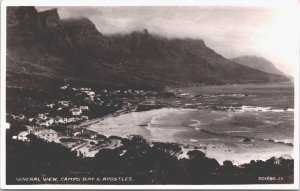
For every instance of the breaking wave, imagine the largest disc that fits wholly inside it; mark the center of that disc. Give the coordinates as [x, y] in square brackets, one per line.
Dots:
[246, 108]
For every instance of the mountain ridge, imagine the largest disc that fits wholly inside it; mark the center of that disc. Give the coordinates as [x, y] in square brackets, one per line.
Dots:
[41, 47]
[258, 63]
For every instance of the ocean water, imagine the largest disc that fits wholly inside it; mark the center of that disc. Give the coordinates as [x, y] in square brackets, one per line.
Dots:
[238, 136]
[227, 135]
[260, 127]
[239, 125]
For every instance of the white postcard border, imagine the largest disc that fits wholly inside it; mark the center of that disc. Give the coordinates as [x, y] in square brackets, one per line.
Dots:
[294, 4]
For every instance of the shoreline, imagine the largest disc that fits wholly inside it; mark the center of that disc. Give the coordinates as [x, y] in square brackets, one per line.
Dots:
[139, 123]
[98, 119]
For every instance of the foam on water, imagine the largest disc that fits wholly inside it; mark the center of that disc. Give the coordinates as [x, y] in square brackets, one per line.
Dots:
[284, 141]
[237, 131]
[246, 108]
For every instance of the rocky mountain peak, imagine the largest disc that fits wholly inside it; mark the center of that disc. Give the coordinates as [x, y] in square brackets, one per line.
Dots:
[80, 24]
[49, 18]
[21, 15]
[82, 31]
[22, 23]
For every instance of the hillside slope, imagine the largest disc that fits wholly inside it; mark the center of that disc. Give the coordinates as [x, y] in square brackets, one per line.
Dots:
[258, 63]
[42, 50]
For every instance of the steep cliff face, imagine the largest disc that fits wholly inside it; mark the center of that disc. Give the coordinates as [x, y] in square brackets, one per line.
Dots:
[43, 48]
[30, 61]
[22, 24]
[52, 32]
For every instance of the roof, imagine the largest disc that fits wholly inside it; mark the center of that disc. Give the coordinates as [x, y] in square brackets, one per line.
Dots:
[64, 101]
[39, 128]
[29, 127]
[86, 131]
[47, 131]
[75, 110]
[23, 133]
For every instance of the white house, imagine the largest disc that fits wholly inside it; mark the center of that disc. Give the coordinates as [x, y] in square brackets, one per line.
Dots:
[47, 134]
[43, 116]
[58, 120]
[47, 122]
[72, 119]
[20, 117]
[90, 93]
[63, 87]
[61, 120]
[84, 107]
[64, 103]
[30, 119]
[86, 133]
[23, 136]
[85, 89]
[76, 111]
[50, 105]
[76, 134]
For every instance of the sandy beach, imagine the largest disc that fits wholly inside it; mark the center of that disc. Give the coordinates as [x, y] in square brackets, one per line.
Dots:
[196, 129]
[135, 123]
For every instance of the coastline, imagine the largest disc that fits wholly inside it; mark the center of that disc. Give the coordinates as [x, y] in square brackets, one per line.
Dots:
[231, 148]
[134, 122]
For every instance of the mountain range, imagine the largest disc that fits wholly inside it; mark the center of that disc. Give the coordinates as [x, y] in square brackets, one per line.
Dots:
[258, 63]
[43, 49]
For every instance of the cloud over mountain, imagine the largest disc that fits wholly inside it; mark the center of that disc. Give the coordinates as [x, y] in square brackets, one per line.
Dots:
[42, 47]
[267, 32]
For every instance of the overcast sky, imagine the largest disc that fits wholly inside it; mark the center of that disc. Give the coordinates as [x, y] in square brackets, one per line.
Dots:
[272, 33]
